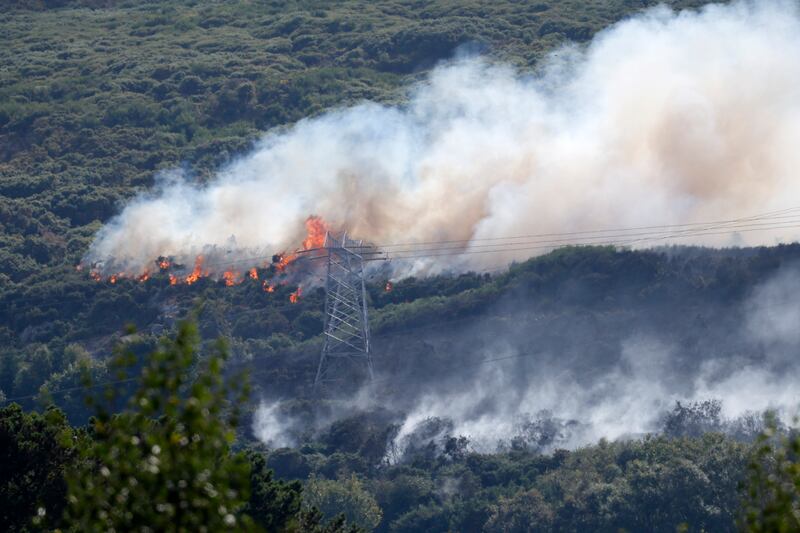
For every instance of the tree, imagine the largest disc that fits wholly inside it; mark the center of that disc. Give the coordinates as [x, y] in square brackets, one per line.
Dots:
[525, 511]
[772, 491]
[164, 464]
[346, 496]
[274, 505]
[34, 451]
[693, 419]
[34, 370]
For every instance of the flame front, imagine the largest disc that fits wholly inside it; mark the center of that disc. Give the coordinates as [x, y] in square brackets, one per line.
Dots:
[231, 278]
[316, 229]
[197, 272]
[206, 266]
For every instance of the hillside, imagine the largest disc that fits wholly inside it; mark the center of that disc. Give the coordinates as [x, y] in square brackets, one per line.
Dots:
[591, 379]
[482, 380]
[97, 97]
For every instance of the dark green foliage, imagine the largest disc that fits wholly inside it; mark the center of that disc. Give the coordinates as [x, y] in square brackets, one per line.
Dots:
[345, 496]
[164, 462]
[773, 484]
[274, 505]
[98, 96]
[653, 484]
[35, 450]
[289, 463]
[86, 121]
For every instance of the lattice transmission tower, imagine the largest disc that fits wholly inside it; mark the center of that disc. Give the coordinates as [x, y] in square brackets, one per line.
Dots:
[346, 354]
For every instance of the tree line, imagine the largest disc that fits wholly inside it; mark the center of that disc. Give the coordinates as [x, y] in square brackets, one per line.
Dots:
[168, 458]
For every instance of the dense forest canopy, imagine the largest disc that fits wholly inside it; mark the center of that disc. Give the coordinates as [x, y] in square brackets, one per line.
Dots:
[589, 388]
[96, 98]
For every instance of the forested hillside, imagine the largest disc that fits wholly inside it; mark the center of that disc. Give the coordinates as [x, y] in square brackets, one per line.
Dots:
[97, 97]
[591, 388]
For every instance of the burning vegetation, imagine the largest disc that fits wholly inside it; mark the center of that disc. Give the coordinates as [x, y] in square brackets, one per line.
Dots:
[277, 271]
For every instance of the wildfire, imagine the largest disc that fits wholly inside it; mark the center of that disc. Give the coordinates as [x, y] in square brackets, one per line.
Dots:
[316, 229]
[389, 286]
[295, 296]
[281, 261]
[196, 272]
[231, 278]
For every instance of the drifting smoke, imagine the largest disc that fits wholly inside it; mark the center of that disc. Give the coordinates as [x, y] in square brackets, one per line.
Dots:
[664, 118]
[563, 381]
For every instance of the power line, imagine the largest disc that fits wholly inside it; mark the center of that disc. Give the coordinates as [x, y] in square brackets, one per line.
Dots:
[45, 301]
[656, 237]
[374, 248]
[771, 214]
[71, 389]
[741, 225]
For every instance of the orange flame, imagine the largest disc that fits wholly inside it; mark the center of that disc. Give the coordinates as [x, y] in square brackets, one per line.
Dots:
[295, 296]
[282, 260]
[196, 272]
[231, 278]
[316, 229]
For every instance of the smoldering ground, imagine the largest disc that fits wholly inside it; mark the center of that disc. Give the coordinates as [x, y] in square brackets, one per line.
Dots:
[571, 351]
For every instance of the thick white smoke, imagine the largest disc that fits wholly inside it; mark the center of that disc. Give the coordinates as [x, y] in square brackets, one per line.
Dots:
[664, 118]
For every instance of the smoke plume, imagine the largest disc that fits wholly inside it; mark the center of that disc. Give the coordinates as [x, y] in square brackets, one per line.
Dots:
[664, 118]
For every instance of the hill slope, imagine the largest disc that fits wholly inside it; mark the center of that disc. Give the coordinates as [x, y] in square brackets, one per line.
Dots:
[96, 97]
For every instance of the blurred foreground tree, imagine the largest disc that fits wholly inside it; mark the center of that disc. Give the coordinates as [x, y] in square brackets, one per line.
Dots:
[772, 499]
[164, 463]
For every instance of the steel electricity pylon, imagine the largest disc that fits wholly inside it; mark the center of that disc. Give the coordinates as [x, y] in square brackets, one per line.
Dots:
[346, 351]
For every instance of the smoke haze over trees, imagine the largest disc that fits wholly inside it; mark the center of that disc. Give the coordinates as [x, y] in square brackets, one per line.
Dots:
[643, 127]
[519, 384]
